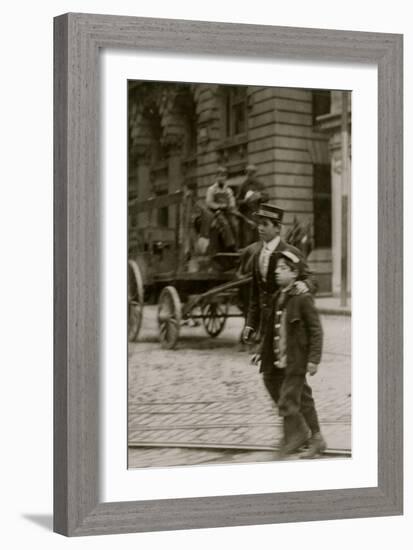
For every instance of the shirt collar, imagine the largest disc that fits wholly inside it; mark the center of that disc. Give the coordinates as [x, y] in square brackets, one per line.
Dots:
[272, 245]
[224, 187]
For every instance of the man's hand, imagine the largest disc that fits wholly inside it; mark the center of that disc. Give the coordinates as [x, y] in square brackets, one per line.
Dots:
[300, 287]
[312, 369]
[247, 334]
[256, 359]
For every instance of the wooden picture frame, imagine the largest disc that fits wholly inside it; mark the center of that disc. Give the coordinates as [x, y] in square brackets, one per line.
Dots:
[78, 40]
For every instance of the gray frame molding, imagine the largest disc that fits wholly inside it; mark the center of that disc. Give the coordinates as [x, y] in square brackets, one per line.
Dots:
[78, 39]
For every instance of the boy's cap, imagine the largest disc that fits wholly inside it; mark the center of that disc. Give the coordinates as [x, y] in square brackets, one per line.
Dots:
[290, 256]
[267, 210]
[222, 170]
[295, 259]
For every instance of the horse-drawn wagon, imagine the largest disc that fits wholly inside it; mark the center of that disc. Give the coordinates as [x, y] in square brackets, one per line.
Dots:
[170, 266]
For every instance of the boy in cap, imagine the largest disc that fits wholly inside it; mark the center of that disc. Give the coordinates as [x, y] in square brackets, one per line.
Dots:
[290, 349]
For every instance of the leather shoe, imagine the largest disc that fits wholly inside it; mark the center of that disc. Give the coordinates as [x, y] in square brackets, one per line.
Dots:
[316, 446]
[293, 443]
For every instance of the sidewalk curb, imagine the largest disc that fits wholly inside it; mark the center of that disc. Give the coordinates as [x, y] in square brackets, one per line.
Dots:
[333, 311]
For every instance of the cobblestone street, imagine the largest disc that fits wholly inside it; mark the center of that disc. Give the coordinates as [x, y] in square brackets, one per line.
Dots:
[205, 403]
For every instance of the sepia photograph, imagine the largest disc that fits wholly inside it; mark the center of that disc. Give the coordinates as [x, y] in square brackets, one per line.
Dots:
[239, 274]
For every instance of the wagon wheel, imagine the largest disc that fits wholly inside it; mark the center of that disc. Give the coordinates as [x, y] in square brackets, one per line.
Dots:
[214, 317]
[135, 300]
[169, 317]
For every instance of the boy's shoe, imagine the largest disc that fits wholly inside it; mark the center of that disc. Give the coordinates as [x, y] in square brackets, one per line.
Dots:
[293, 444]
[316, 446]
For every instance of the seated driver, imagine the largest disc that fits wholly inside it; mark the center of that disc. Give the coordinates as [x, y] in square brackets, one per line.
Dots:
[221, 201]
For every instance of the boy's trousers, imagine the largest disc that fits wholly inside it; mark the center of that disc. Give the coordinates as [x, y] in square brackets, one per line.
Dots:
[292, 395]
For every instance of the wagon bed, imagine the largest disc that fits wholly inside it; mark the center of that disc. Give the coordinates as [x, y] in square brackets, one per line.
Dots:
[183, 295]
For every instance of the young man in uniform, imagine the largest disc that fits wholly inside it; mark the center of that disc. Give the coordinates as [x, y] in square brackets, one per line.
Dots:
[262, 258]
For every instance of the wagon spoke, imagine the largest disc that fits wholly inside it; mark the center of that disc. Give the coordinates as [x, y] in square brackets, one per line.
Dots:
[135, 300]
[169, 317]
[214, 317]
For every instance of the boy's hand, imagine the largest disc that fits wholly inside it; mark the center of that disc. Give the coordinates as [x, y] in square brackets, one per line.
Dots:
[300, 287]
[312, 369]
[247, 334]
[256, 359]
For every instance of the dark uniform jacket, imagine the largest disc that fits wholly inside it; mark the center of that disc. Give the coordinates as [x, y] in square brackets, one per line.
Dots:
[261, 291]
[303, 332]
[247, 206]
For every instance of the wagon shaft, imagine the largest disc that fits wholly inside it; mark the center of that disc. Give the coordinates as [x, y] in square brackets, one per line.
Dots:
[218, 291]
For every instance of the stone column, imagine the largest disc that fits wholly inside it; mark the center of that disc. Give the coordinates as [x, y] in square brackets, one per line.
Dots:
[331, 124]
[173, 145]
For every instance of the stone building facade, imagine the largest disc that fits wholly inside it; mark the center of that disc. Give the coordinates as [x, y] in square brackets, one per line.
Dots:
[178, 134]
